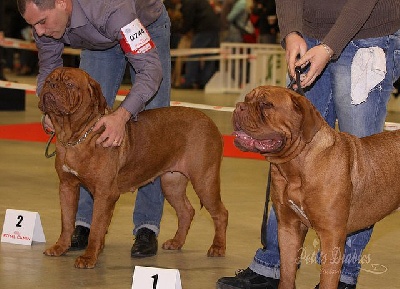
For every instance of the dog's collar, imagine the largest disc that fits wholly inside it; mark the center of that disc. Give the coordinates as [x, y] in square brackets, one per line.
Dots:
[81, 139]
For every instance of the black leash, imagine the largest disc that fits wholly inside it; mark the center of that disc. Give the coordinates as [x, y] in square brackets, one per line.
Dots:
[298, 70]
[52, 134]
[299, 90]
[46, 151]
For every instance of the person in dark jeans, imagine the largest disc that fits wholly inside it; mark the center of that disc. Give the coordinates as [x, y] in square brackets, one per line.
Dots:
[199, 19]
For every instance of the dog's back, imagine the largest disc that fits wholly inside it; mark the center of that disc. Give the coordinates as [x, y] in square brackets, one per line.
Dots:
[375, 178]
[169, 139]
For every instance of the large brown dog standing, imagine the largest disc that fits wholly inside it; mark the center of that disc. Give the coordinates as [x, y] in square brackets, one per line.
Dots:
[176, 143]
[330, 181]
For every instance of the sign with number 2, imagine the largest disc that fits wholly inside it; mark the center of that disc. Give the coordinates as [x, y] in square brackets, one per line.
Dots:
[22, 227]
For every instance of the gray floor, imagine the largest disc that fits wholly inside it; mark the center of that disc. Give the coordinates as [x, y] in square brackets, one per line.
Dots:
[28, 182]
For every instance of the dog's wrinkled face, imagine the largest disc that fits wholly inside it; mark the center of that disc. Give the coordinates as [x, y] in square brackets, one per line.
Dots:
[67, 90]
[270, 120]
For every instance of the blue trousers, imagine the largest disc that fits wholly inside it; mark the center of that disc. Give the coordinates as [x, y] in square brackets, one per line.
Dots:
[108, 68]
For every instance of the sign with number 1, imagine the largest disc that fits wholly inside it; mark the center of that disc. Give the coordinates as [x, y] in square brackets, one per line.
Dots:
[156, 278]
[22, 227]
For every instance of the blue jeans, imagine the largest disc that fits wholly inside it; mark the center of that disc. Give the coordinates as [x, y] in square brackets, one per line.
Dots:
[330, 94]
[108, 68]
[197, 72]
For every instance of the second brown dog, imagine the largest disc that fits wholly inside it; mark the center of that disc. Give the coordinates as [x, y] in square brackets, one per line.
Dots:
[176, 143]
[323, 179]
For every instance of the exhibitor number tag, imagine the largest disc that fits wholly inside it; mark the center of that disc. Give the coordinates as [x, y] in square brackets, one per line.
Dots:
[135, 38]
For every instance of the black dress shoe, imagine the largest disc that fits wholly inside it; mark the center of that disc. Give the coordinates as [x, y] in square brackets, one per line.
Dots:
[342, 286]
[247, 279]
[79, 240]
[145, 245]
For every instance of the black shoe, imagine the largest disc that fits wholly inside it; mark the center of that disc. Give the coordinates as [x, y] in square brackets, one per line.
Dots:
[145, 245]
[342, 286]
[79, 240]
[247, 279]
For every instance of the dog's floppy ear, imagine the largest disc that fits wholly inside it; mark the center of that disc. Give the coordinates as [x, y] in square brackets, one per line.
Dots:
[312, 119]
[97, 95]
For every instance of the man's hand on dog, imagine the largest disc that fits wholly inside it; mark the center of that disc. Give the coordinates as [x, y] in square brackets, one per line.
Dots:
[114, 124]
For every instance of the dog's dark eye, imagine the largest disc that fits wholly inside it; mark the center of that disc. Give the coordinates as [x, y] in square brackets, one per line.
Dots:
[266, 105]
[69, 84]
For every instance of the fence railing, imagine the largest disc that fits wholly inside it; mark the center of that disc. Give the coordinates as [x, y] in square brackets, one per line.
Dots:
[241, 65]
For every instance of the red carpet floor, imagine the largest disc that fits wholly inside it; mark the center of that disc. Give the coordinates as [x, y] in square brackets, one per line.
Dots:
[33, 132]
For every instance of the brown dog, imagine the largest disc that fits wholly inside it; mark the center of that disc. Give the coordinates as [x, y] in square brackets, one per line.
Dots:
[176, 143]
[332, 182]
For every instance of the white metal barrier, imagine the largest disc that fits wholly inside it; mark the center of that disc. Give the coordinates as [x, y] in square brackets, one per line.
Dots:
[244, 66]
[241, 65]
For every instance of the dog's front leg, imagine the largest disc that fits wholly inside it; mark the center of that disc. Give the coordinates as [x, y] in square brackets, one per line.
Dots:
[332, 250]
[103, 208]
[291, 235]
[69, 194]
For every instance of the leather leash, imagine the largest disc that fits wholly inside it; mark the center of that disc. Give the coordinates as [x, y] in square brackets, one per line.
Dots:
[299, 90]
[52, 134]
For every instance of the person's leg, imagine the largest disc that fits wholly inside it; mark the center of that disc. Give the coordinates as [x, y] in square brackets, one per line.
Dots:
[266, 262]
[106, 67]
[209, 40]
[150, 199]
[362, 120]
[197, 74]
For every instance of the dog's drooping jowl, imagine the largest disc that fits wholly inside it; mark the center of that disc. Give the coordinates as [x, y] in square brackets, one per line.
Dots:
[177, 144]
[330, 181]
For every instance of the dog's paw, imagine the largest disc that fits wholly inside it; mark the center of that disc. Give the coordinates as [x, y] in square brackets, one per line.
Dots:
[85, 262]
[55, 250]
[216, 251]
[172, 244]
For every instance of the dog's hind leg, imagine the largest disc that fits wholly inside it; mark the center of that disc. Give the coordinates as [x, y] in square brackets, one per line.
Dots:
[208, 190]
[174, 188]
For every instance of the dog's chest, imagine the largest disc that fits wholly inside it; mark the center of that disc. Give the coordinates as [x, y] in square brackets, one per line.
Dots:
[293, 197]
[68, 169]
[73, 162]
[298, 209]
